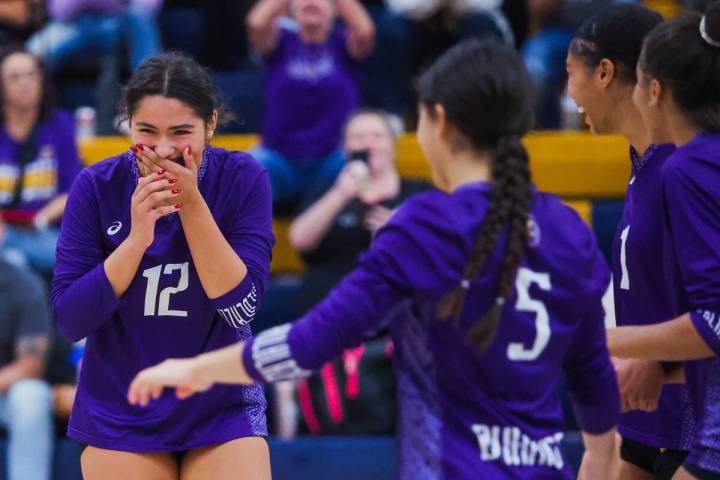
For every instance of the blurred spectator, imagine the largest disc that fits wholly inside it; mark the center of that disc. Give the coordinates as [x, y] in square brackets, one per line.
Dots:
[81, 29]
[38, 160]
[337, 224]
[25, 400]
[311, 87]
[412, 33]
[97, 36]
[19, 19]
[545, 51]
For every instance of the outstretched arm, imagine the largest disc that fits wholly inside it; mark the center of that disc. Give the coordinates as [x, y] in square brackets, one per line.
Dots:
[674, 340]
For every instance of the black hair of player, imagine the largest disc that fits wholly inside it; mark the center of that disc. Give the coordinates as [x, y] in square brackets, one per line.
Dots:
[616, 34]
[685, 59]
[173, 75]
[47, 102]
[487, 96]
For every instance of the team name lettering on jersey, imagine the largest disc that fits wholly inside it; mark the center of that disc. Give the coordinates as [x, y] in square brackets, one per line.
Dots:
[242, 312]
[512, 447]
[712, 319]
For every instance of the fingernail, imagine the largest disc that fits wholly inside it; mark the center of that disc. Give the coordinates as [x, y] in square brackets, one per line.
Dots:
[175, 191]
[172, 181]
[134, 149]
[139, 159]
[178, 206]
[161, 172]
[189, 150]
[141, 147]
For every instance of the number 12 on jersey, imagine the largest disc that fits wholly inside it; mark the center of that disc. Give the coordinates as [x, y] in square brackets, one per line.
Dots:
[151, 294]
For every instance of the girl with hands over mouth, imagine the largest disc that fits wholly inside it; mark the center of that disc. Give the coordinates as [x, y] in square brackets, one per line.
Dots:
[164, 252]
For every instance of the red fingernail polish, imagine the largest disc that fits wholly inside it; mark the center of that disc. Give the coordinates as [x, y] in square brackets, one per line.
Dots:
[178, 206]
[141, 147]
[176, 191]
[172, 181]
[133, 149]
[161, 172]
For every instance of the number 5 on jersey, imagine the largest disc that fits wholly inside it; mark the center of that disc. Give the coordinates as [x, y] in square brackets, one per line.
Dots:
[525, 303]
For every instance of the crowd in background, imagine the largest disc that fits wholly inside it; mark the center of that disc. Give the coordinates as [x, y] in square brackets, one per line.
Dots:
[337, 78]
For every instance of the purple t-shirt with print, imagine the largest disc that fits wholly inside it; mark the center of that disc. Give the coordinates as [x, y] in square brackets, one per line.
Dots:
[47, 175]
[310, 90]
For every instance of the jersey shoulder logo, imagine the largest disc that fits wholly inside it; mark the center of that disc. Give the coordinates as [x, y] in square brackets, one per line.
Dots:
[534, 234]
[114, 228]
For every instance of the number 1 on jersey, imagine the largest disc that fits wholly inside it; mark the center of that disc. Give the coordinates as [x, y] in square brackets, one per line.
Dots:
[625, 280]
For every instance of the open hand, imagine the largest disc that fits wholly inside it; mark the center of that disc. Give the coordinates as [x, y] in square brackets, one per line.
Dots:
[178, 373]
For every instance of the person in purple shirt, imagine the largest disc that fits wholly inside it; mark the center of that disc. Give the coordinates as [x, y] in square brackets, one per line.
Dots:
[490, 289]
[38, 160]
[164, 251]
[601, 66]
[311, 88]
[680, 103]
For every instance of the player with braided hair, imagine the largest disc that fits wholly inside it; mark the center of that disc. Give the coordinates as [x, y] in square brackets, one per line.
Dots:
[518, 271]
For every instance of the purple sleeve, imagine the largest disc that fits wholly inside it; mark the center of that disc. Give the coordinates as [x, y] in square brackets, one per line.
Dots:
[692, 200]
[707, 323]
[68, 158]
[364, 302]
[81, 294]
[590, 375]
[252, 239]
[67, 10]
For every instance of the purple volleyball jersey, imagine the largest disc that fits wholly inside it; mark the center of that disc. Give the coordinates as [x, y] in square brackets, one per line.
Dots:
[309, 92]
[463, 414]
[165, 312]
[691, 188]
[639, 275]
[47, 175]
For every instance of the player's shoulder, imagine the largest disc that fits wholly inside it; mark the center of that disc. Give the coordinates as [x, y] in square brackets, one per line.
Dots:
[558, 227]
[233, 168]
[696, 159]
[112, 178]
[432, 211]
[111, 169]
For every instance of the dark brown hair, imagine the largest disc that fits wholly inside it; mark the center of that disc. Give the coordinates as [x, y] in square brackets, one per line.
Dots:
[487, 95]
[616, 34]
[47, 101]
[676, 55]
[174, 75]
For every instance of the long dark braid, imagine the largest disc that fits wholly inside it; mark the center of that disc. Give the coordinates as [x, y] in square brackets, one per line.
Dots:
[496, 80]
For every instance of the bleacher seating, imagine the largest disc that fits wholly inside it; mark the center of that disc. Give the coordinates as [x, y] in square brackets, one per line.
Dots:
[589, 172]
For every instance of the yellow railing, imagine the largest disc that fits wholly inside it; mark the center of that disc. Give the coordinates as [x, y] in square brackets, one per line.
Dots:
[576, 166]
